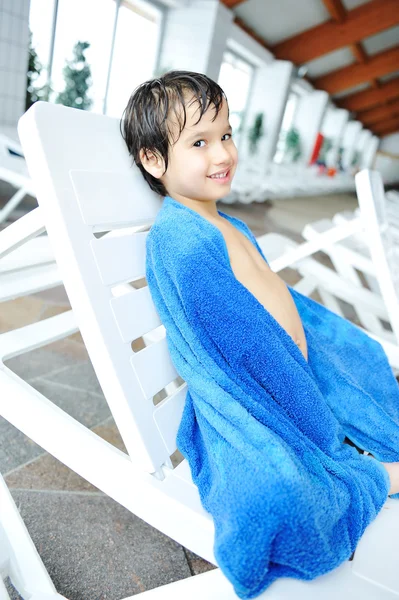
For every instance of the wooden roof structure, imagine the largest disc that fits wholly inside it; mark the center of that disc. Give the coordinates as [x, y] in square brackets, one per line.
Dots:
[350, 49]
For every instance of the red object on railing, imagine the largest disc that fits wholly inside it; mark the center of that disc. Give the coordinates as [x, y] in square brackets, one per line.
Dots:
[316, 149]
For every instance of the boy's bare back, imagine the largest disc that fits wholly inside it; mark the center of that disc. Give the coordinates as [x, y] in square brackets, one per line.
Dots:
[268, 288]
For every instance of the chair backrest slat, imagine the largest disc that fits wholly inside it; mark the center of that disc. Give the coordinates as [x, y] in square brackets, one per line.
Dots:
[153, 380]
[135, 314]
[106, 197]
[128, 252]
[167, 417]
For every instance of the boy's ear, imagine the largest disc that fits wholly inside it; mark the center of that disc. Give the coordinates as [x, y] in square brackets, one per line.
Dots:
[153, 163]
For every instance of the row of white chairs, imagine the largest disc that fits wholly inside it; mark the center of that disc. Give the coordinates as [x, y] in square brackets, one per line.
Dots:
[258, 183]
[252, 182]
[86, 186]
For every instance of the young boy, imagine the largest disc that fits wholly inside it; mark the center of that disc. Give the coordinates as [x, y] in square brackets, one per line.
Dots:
[193, 160]
[177, 130]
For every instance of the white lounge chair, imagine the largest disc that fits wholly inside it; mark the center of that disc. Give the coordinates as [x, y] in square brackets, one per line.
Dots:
[371, 256]
[27, 263]
[256, 183]
[87, 186]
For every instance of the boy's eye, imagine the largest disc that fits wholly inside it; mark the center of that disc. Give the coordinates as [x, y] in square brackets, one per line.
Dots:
[197, 142]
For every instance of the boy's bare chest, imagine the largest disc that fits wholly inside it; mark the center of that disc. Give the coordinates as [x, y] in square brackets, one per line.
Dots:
[268, 288]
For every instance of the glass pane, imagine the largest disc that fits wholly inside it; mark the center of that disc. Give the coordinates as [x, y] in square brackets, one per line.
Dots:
[289, 112]
[286, 125]
[135, 54]
[235, 83]
[41, 24]
[89, 21]
[235, 80]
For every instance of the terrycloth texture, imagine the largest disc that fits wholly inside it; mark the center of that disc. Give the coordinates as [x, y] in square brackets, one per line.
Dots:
[262, 428]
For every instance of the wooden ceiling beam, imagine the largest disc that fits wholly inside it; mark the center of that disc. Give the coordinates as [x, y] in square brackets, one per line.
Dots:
[361, 22]
[336, 9]
[369, 117]
[378, 65]
[384, 126]
[388, 131]
[359, 52]
[369, 98]
[232, 3]
[339, 13]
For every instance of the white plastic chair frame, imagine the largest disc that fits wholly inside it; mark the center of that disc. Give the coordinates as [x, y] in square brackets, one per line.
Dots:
[374, 253]
[13, 171]
[27, 264]
[89, 186]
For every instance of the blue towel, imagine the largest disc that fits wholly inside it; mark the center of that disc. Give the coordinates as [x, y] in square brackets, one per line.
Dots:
[263, 428]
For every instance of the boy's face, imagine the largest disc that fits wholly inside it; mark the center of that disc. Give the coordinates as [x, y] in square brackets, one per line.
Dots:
[201, 151]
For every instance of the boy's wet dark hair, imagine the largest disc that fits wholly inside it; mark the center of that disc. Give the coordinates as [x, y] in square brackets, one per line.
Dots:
[145, 122]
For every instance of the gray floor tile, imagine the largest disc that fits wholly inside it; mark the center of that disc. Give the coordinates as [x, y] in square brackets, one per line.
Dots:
[44, 360]
[197, 564]
[88, 408]
[12, 592]
[15, 448]
[56, 295]
[94, 549]
[48, 473]
[81, 377]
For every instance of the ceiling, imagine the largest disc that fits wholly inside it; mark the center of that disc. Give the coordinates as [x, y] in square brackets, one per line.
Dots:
[349, 47]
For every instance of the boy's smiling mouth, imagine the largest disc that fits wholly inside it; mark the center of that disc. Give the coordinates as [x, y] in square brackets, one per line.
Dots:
[221, 176]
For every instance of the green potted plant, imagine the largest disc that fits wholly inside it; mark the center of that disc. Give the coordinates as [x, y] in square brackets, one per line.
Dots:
[77, 75]
[293, 144]
[255, 133]
[35, 67]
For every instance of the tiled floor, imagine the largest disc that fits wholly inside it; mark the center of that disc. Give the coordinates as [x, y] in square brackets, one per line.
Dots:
[93, 548]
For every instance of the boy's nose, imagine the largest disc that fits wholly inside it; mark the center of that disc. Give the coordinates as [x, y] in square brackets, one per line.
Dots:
[223, 156]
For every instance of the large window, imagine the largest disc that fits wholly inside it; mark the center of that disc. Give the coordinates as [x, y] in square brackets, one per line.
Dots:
[123, 37]
[89, 21]
[286, 127]
[135, 53]
[41, 15]
[235, 78]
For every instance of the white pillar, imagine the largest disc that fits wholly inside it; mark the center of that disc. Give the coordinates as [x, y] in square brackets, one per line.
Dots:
[351, 133]
[195, 37]
[361, 145]
[370, 152]
[14, 46]
[333, 127]
[308, 119]
[364, 137]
